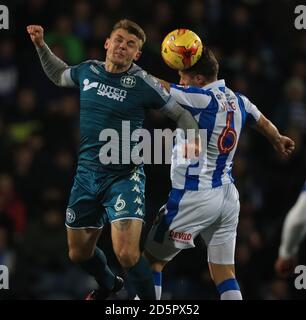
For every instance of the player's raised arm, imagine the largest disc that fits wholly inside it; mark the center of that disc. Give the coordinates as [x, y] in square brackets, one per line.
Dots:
[181, 116]
[56, 69]
[185, 121]
[177, 113]
[165, 84]
[281, 144]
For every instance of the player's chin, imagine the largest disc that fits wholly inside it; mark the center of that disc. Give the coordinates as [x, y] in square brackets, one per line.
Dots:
[121, 62]
[119, 58]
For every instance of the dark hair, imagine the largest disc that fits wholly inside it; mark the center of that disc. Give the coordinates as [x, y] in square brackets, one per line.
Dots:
[207, 66]
[131, 27]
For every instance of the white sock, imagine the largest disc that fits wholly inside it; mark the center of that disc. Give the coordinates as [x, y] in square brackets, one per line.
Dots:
[231, 295]
[157, 276]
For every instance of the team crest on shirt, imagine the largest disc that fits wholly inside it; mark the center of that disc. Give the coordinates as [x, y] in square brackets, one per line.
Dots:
[70, 215]
[128, 81]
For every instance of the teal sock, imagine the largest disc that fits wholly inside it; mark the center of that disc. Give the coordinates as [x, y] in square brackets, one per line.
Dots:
[97, 267]
[140, 276]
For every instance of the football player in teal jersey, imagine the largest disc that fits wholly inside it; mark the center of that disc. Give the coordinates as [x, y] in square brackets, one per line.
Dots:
[112, 93]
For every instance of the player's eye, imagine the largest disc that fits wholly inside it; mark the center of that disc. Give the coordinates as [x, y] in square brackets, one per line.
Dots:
[131, 44]
[118, 40]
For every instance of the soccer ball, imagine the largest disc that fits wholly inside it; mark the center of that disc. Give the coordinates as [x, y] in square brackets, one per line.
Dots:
[181, 49]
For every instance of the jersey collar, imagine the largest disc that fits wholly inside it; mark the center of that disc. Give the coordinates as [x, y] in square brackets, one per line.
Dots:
[215, 84]
[134, 68]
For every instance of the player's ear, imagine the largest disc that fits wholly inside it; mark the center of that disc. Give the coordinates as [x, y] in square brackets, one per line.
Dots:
[200, 80]
[106, 44]
[137, 55]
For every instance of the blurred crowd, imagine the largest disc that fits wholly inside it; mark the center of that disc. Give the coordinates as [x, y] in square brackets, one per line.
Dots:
[261, 55]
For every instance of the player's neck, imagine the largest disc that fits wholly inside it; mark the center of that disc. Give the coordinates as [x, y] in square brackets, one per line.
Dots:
[206, 82]
[113, 68]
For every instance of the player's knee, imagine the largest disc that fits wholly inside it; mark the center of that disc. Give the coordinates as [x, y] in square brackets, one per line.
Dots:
[129, 258]
[77, 255]
[155, 264]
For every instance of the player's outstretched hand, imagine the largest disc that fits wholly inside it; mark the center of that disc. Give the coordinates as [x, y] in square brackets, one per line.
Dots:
[37, 35]
[285, 267]
[285, 146]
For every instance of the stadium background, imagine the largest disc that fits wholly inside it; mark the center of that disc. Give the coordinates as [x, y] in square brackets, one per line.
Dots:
[261, 55]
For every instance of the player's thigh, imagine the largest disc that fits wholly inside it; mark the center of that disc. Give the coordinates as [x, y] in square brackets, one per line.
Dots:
[83, 240]
[158, 247]
[84, 209]
[180, 221]
[225, 227]
[124, 198]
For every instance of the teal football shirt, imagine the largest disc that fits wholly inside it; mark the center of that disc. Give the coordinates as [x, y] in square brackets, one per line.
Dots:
[109, 101]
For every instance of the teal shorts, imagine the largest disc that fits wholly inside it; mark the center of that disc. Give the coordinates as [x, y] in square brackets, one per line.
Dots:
[98, 197]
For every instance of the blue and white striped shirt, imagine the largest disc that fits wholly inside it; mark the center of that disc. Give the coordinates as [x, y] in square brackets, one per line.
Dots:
[223, 114]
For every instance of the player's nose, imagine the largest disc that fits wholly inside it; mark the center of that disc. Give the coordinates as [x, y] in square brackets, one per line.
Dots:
[123, 45]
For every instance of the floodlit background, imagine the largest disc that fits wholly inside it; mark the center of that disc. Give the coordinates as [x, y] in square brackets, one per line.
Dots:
[261, 55]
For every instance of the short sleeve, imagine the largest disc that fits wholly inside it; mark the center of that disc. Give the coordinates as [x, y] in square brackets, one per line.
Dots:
[75, 71]
[252, 112]
[190, 96]
[157, 96]
[75, 74]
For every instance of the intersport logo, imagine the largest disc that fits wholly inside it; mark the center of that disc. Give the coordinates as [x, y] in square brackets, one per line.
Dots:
[105, 90]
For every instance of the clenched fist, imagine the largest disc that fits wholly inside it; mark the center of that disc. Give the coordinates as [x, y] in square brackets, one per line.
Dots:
[284, 145]
[37, 35]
